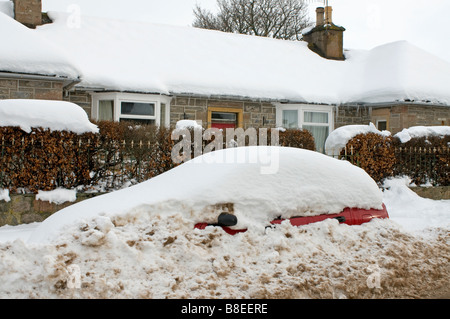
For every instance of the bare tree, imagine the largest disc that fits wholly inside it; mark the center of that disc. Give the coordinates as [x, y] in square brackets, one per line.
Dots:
[281, 19]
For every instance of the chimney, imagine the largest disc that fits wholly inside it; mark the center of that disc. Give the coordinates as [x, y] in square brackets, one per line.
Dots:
[326, 38]
[28, 12]
[320, 16]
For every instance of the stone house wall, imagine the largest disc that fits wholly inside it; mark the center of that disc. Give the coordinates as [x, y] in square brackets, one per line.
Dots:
[11, 88]
[352, 115]
[255, 113]
[403, 116]
[82, 98]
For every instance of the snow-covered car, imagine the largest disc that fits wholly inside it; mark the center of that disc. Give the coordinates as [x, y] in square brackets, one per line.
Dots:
[258, 185]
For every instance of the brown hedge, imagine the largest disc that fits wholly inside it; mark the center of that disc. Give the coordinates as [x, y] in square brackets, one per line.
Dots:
[373, 153]
[119, 153]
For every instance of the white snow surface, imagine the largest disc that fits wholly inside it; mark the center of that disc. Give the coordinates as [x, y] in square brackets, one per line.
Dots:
[338, 138]
[186, 124]
[151, 253]
[7, 8]
[28, 52]
[422, 131]
[57, 196]
[300, 182]
[4, 195]
[122, 57]
[53, 115]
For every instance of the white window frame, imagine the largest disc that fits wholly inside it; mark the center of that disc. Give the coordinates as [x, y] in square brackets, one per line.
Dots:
[119, 97]
[302, 108]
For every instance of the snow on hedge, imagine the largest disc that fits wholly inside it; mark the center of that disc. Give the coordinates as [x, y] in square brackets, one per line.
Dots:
[53, 115]
[422, 131]
[337, 139]
[301, 182]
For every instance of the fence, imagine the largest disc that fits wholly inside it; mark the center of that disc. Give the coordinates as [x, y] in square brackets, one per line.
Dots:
[424, 165]
[104, 165]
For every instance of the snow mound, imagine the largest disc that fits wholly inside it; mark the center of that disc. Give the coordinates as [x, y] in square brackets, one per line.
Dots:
[53, 115]
[422, 131]
[261, 182]
[337, 139]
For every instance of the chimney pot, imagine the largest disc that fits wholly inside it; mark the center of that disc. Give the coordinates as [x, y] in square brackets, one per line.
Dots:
[328, 15]
[320, 19]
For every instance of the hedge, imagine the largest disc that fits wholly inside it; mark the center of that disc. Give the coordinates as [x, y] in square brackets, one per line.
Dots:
[426, 160]
[120, 153]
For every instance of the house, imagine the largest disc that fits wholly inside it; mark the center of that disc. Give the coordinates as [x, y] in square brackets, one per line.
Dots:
[126, 70]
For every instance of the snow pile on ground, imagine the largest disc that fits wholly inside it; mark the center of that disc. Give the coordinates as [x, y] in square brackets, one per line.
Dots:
[28, 52]
[422, 131]
[412, 211]
[337, 139]
[262, 182]
[153, 250]
[53, 115]
[57, 196]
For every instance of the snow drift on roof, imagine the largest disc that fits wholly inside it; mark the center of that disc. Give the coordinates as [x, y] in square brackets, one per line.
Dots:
[53, 115]
[25, 51]
[150, 58]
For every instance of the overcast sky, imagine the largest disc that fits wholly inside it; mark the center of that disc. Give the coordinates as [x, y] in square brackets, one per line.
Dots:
[369, 23]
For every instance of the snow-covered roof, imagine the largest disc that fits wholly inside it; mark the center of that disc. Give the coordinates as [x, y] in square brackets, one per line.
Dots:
[151, 58]
[24, 51]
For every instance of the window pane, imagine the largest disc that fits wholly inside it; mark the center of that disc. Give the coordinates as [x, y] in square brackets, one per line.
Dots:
[382, 125]
[316, 117]
[106, 110]
[223, 116]
[320, 134]
[162, 119]
[133, 108]
[137, 121]
[290, 118]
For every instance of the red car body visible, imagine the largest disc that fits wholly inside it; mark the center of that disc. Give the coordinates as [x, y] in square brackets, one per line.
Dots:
[349, 216]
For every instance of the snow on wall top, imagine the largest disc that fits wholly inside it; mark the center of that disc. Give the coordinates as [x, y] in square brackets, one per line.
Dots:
[53, 115]
[25, 51]
[143, 57]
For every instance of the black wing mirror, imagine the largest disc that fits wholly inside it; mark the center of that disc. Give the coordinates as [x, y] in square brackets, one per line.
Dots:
[226, 219]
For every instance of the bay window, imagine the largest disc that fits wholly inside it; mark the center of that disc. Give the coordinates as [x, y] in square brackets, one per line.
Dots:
[137, 108]
[317, 119]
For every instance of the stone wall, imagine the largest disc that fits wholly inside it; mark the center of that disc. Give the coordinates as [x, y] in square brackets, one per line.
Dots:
[25, 209]
[352, 115]
[82, 98]
[255, 113]
[404, 116]
[30, 89]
